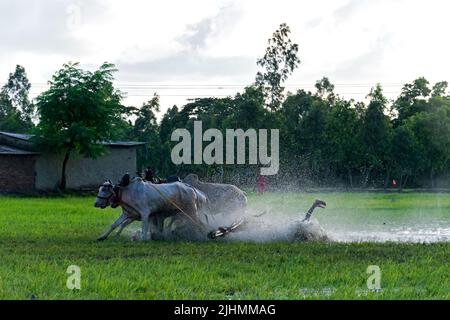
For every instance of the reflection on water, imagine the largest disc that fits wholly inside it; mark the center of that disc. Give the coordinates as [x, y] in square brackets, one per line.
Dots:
[397, 235]
[366, 217]
[418, 233]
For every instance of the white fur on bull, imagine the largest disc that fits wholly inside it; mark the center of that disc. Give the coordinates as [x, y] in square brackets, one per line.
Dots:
[172, 211]
[222, 198]
[152, 204]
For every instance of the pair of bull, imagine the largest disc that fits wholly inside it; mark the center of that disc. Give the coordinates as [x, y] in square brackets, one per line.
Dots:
[151, 203]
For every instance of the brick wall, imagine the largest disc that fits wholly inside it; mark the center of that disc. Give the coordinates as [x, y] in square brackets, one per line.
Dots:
[17, 173]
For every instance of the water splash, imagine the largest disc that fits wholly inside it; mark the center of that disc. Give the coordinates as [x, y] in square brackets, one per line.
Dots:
[266, 223]
[407, 234]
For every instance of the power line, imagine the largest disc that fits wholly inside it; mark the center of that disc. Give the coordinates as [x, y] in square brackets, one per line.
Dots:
[194, 95]
[138, 89]
[225, 86]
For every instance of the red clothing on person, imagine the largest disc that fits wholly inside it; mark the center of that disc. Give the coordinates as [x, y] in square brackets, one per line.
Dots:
[261, 183]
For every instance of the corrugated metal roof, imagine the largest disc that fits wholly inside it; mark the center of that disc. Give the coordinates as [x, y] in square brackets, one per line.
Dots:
[27, 137]
[19, 136]
[122, 143]
[14, 151]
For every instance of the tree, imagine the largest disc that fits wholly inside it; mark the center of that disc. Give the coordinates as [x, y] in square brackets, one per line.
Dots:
[411, 100]
[173, 119]
[439, 89]
[432, 130]
[406, 153]
[16, 109]
[325, 89]
[344, 146]
[292, 112]
[302, 132]
[79, 111]
[279, 61]
[211, 111]
[248, 110]
[146, 129]
[376, 134]
[312, 137]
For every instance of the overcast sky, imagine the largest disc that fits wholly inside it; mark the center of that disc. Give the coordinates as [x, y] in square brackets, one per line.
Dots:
[200, 45]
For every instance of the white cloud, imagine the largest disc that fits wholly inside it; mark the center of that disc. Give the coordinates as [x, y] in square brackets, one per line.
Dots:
[218, 42]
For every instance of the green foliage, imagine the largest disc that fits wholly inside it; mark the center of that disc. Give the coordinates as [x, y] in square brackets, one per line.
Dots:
[325, 89]
[439, 89]
[412, 99]
[16, 109]
[344, 149]
[432, 130]
[146, 129]
[376, 134]
[406, 150]
[279, 61]
[326, 140]
[78, 111]
[248, 110]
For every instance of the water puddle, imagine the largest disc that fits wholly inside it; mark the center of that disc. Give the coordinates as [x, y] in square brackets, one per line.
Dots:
[409, 235]
[420, 233]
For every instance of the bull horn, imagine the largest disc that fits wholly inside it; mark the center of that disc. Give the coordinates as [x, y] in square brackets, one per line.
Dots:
[125, 181]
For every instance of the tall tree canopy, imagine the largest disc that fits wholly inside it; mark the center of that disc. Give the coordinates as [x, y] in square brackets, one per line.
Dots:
[279, 61]
[16, 109]
[79, 111]
[413, 99]
[376, 134]
[146, 129]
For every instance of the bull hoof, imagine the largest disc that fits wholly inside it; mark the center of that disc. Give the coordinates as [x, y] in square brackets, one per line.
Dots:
[101, 238]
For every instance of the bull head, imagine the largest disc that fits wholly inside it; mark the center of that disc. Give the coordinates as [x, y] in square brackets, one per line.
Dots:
[105, 195]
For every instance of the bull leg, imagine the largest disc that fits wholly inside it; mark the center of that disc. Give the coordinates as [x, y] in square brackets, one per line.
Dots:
[117, 223]
[317, 203]
[198, 224]
[206, 217]
[125, 224]
[170, 223]
[145, 227]
[157, 227]
[153, 227]
[160, 225]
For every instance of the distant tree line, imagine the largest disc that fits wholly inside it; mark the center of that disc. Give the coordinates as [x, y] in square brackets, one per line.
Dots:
[325, 139]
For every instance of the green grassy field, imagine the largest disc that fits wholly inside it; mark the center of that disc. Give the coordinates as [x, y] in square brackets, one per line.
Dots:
[41, 237]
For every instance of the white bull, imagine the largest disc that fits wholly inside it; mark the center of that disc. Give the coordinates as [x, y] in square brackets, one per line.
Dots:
[223, 198]
[144, 201]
